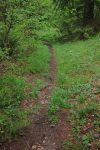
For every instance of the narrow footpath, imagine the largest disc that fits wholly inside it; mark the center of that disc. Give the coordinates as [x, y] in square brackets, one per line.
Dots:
[40, 135]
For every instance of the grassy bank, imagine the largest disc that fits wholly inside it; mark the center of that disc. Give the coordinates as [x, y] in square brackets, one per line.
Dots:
[78, 91]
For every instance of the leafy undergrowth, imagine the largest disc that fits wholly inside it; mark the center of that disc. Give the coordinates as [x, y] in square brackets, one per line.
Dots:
[33, 61]
[16, 90]
[78, 91]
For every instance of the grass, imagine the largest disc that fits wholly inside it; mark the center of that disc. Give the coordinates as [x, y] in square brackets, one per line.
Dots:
[78, 62]
[38, 61]
[15, 89]
[78, 78]
[11, 95]
[34, 61]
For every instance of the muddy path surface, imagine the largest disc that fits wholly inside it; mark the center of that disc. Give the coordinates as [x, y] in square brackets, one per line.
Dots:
[41, 135]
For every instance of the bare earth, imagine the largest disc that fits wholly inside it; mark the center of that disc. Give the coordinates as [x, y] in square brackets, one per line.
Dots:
[41, 135]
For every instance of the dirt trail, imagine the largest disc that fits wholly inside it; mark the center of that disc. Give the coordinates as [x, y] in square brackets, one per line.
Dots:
[41, 135]
[46, 92]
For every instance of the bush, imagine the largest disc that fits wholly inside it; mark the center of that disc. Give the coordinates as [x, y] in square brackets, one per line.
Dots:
[12, 117]
[11, 90]
[37, 62]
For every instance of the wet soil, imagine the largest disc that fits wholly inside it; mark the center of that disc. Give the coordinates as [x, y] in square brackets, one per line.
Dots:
[41, 135]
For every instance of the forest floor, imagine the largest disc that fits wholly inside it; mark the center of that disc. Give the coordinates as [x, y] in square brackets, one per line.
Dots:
[68, 117]
[41, 134]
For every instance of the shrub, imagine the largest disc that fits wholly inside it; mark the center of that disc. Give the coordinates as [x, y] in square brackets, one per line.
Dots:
[11, 91]
[12, 117]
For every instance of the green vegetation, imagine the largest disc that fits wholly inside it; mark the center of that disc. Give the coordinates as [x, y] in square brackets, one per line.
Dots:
[23, 60]
[23, 26]
[15, 89]
[72, 26]
[11, 94]
[77, 88]
[79, 19]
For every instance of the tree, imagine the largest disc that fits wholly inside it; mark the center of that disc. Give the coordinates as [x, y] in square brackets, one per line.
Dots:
[88, 8]
[7, 20]
[23, 23]
[88, 14]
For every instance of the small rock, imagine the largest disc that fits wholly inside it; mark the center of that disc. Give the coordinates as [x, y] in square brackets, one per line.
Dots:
[89, 120]
[22, 134]
[89, 144]
[10, 141]
[45, 138]
[52, 125]
[97, 135]
[34, 147]
[44, 142]
[0, 144]
[69, 135]
[40, 148]
[88, 124]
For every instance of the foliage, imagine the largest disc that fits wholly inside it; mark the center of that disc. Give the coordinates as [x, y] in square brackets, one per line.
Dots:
[15, 90]
[17, 35]
[24, 26]
[76, 86]
[40, 62]
[12, 91]
[78, 19]
[11, 94]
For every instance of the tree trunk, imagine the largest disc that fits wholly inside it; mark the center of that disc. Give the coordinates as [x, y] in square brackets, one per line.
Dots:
[88, 11]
